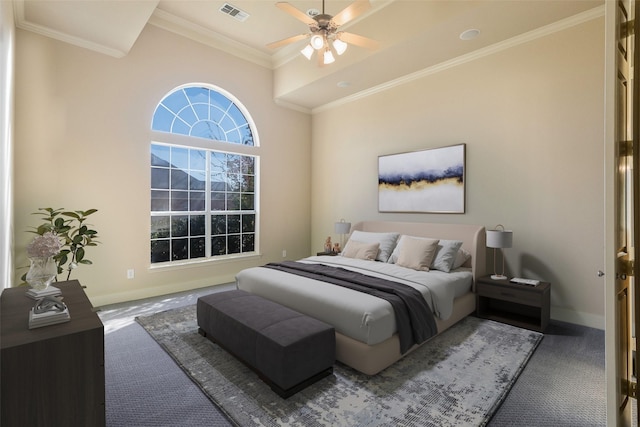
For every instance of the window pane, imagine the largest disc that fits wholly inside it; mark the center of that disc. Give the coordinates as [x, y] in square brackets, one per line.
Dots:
[160, 251]
[196, 200]
[197, 94]
[233, 201]
[179, 226]
[162, 119]
[246, 135]
[160, 155]
[179, 249]
[209, 130]
[159, 227]
[234, 163]
[179, 179]
[220, 101]
[233, 244]
[179, 157]
[247, 184]
[246, 202]
[218, 201]
[202, 111]
[176, 101]
[218, 164]
[159, 178]
[179, 200]
[219, 245]
[233, 224]
[233, 182]
[197, 225]
[218, 224]
[248, 223]
[159, 201]
[197, 160]
[248, 165]
[197, 180]
[187, 115]
[248, 242]
[180, 127]
[196, 247]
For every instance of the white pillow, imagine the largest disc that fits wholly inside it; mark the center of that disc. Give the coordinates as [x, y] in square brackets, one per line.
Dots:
[387, 242]
[416, 253]
[444, 258]
[461, 257]
[361, 250]
[446, 255]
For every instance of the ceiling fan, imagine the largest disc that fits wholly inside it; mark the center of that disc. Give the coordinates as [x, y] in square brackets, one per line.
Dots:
[323, 34]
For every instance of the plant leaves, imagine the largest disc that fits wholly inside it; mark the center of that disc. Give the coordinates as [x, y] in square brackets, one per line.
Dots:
[71, 214]
[79, 254]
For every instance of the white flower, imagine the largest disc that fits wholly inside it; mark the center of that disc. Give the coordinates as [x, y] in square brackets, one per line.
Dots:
[45, 246]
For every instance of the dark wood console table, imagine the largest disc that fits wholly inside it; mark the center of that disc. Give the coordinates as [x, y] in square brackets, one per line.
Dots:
[53, 375]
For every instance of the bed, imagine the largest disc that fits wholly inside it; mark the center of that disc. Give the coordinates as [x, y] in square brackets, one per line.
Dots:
[367, 337]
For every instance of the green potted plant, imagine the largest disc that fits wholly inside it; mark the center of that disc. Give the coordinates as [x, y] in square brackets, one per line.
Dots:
[74, 234]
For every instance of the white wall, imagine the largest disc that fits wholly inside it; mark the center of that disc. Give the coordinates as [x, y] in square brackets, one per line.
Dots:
[532, 119]
[82, 141]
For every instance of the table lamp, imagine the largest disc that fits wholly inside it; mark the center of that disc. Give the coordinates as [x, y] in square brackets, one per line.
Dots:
[341, 227]
[499, 239]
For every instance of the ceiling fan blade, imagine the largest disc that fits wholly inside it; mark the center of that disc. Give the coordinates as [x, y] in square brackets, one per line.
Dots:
[286, 7]
[357, 40]
[289, 40]
[352, 11]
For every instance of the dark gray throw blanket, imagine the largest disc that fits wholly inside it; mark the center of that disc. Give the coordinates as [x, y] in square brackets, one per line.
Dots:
[414, 318]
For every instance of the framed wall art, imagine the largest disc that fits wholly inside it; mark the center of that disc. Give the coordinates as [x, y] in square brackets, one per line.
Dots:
[429, 181]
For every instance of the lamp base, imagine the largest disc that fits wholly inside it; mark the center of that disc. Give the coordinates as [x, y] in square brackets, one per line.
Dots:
[498, 277]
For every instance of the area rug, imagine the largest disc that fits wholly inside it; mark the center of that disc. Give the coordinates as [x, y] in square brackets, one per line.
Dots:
[459, 378]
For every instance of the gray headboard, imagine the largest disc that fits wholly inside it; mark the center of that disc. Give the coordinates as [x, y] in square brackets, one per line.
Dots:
[473, 237]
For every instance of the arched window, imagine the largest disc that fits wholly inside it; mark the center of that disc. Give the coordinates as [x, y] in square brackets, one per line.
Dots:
[203, 199]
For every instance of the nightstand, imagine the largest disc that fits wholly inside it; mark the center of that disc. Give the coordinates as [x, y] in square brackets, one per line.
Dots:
[328, 253]
[519, 305]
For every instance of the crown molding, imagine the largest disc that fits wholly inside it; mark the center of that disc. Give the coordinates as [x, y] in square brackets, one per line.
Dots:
[168, 21]
[22, 23]
[555, 27]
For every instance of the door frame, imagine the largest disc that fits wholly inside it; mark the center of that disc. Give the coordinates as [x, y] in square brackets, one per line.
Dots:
[612, 361]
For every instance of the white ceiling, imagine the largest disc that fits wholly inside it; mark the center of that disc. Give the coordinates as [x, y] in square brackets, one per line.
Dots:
[414, 35]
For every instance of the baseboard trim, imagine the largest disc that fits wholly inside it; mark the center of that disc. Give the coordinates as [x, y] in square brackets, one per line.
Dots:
[578, 318]
[156, 291]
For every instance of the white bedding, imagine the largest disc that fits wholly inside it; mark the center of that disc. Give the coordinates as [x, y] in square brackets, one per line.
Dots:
[357, 315]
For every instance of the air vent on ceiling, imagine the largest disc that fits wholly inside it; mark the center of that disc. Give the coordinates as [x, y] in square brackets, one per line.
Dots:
[234, 12]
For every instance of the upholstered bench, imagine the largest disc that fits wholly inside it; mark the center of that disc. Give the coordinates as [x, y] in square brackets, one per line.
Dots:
[288, 350]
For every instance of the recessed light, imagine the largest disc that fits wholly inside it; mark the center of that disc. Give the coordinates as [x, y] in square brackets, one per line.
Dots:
[313, 12]
[469, 34]
[344, 84]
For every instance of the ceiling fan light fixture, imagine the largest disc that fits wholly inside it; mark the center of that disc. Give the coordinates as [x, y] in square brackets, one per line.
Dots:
[317, 42]
[339, 46]
[328, 57]
[307, 51]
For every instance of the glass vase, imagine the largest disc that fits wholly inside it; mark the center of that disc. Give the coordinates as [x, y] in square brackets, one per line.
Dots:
[41, 272]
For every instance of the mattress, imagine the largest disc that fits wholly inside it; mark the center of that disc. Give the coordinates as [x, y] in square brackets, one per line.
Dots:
[363, 317]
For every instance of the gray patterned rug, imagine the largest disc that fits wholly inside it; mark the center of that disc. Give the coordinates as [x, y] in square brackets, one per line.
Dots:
[458, 379]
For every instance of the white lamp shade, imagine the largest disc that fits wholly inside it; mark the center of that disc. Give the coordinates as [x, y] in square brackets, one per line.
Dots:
[307, 51]
[339, 46]
[328, 57]
[317, 42]
[342, 227]
[499, 238]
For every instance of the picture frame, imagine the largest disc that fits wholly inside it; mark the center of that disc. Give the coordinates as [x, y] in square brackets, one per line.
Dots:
[426, 181]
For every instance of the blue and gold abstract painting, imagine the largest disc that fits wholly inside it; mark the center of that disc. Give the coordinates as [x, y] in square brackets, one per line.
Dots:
[430, 181]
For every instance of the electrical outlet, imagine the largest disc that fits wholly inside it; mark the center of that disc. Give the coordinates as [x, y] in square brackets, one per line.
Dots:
[284, 253]
[131, 273]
